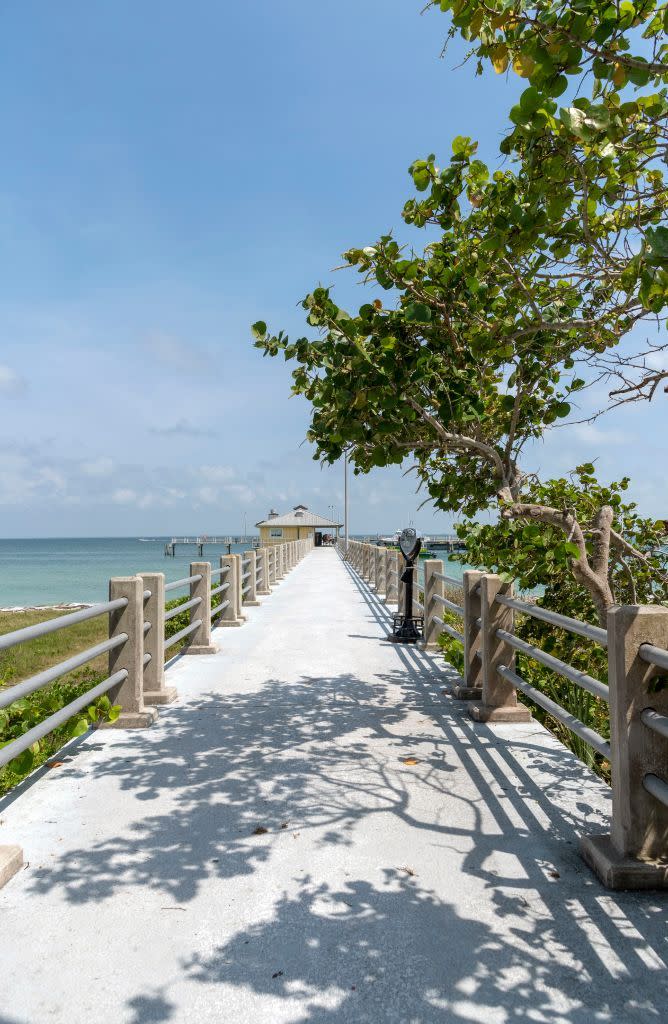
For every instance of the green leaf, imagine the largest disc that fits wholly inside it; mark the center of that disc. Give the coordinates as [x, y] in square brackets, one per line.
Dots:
[259, 330]
[417, 312]
[23, 763]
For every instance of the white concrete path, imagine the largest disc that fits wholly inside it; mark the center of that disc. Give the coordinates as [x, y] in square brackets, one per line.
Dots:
[266, 854]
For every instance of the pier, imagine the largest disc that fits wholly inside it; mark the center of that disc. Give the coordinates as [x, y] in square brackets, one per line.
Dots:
[199, 543]
[313, 827]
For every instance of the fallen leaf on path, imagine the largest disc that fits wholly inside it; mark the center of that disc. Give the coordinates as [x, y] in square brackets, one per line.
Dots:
[410, 760]
[277, 974]
[54, 764]
[409, 871]
[260, 831]
[285, 824]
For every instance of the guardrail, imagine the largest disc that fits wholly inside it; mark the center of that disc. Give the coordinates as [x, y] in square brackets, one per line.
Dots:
[635, 853]
[138, 642]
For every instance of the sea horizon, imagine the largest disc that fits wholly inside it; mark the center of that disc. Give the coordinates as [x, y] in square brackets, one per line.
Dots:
[40, 572]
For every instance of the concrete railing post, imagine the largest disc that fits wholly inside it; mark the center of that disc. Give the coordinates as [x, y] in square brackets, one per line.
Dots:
[392, 587]
[472, 687]
[381, 564]
[372, 566]
[229, 615]
[433, 588]
[499, 697]
[130, 655]
[635, 853]
[249, 583]
[199, 642]
[271, 556]
[264, 586]
[366, 564]
[155, 691]
[417, 610]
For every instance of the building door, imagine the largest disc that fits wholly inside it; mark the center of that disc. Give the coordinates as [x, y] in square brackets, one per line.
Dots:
[318, 539]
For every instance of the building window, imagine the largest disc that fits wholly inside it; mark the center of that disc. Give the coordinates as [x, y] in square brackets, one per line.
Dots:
[275, 531]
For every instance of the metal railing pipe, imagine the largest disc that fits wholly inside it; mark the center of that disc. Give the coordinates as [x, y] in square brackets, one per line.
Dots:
[20, 636]
[37, 682]
[589, 736]
[60, 717]
[585, 629]
[587, 682]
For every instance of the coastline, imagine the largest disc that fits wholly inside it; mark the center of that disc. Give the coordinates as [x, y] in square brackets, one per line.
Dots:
[72, 607]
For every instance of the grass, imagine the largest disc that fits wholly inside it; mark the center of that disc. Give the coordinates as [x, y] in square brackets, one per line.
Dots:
[27, 659]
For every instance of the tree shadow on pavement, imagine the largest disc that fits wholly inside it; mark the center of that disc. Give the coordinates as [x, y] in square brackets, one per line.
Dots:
[238, 775]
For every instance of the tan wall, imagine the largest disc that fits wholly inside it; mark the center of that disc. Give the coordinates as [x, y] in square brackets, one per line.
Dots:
[289, 533]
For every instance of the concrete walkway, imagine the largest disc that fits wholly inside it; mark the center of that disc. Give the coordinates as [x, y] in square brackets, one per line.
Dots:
[317, 832]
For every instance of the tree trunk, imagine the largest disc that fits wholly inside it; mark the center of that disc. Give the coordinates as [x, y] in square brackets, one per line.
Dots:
[591, 573]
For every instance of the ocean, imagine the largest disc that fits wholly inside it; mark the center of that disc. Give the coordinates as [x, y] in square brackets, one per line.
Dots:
[77, 570]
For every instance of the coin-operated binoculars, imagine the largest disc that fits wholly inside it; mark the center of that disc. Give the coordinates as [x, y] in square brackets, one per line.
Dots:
[407, 628]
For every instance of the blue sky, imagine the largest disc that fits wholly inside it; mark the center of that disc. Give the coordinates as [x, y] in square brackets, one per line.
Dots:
[172, 173]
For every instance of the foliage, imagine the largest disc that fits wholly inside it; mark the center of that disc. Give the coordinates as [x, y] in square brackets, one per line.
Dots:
[475, 357]
[593, 168]
[537, 558]
[24, 714]
[536, 555]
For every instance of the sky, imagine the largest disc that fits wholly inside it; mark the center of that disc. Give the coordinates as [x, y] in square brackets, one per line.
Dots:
[173, 172]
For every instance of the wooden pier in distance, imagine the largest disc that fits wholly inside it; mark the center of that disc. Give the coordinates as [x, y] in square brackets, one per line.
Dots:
[200, 542]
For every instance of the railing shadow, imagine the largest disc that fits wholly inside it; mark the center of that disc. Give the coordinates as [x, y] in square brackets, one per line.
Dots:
[233, 776]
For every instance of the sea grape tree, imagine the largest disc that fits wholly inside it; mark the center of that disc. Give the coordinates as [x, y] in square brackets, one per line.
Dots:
[590, 134]
[473, 352]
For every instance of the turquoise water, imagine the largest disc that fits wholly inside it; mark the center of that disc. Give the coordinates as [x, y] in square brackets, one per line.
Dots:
[77, 571]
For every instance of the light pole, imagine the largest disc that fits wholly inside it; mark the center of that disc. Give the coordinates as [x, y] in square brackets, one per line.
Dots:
[345, 502]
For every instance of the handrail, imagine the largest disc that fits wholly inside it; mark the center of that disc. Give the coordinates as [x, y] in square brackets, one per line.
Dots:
[594, 686]
[449, 579]
[219, 572]
[654, 655]
[589, 736]
[651, 718]
[246, 576]
[450, 630]
[20, 636]
[38, 732]
[586, 629]
[11, 693]
[173, 612]
[182, 633]
[450, 605]
[655, 786]
[219, 609]
[220, 589]
[181, 583]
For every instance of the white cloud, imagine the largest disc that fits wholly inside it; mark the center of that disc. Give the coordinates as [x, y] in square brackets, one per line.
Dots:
[208, 495]
[590, 433]
[183, 428]
[11, 383]
[124, 496]
[217, 474]
[98, 467]
[174, 354]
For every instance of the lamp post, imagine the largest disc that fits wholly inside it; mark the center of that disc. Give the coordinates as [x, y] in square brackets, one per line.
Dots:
[345, 501]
